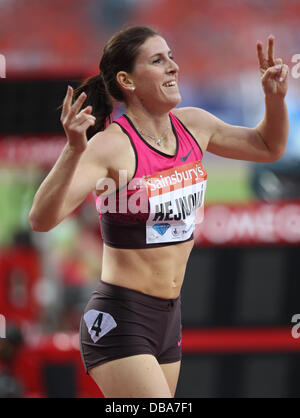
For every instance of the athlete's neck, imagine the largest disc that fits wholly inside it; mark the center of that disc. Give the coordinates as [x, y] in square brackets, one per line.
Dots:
[157, 125]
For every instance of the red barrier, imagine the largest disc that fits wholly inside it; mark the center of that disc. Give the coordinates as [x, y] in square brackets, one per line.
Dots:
[20, 272]
[237, 340]
[250, 224]
[60, 348]
[25, 149]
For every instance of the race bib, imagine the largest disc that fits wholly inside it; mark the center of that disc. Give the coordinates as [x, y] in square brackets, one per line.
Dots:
[176, 198]
[98, 323]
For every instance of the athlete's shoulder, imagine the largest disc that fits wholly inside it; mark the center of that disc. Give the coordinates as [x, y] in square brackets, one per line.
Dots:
[199, 122]
[109, 139]
[197, 119]
[105, 146]
[193, 116]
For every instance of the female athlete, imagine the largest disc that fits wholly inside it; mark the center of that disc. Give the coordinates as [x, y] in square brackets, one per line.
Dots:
[130, 332]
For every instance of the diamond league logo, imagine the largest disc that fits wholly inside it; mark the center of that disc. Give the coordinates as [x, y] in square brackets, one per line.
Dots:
[161, 228]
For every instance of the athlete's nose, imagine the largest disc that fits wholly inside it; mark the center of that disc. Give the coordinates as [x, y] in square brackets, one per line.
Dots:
[173, 67]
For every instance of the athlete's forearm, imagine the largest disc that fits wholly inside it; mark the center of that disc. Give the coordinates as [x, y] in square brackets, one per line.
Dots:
[274, 128]
[49, 199]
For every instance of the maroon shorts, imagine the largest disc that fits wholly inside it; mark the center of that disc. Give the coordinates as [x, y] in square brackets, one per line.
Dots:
[119, 322]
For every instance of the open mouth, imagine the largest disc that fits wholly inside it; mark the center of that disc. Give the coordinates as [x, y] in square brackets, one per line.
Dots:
[170, 84]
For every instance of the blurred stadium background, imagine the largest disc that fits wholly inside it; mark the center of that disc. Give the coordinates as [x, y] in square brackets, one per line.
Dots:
[242, 283]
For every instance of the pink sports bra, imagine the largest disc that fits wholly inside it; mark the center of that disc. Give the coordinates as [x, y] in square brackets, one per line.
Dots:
[161, 203]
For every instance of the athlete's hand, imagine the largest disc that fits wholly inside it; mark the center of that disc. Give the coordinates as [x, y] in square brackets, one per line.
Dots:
[76, 122]
[274, 74]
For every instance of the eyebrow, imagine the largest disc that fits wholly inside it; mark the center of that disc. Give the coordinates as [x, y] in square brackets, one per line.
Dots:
[161, 53]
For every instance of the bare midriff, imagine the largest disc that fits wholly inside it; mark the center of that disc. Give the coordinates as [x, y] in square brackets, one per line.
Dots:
[154, 271]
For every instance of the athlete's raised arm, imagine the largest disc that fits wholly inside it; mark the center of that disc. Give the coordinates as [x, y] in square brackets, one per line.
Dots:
[267, 141]
[76, 171]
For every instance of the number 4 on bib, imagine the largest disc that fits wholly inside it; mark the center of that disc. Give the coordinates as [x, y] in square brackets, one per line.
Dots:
[98, 323]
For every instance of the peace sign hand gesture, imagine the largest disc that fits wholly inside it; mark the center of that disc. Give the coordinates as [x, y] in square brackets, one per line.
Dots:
[76, 122]
[274, 74]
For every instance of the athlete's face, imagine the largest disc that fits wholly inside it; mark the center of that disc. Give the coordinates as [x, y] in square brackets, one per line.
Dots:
[155, 74]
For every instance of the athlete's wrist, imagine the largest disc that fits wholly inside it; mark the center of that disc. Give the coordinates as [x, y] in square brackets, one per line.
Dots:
[74, 150]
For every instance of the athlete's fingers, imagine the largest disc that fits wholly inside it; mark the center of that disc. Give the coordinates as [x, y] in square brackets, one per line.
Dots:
[87, 110]
[67, 103]
[284, 73]
[82, 118]
[272, 72]
[278, 64]
[76, 106]
[271, 50]
[278, 61]
[260, 54]
[85, 125]
[80, 126]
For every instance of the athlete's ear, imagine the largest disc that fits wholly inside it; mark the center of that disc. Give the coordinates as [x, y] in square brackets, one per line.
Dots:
[125, 81]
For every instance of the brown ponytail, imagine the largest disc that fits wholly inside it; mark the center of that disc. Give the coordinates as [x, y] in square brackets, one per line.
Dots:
[99, 99]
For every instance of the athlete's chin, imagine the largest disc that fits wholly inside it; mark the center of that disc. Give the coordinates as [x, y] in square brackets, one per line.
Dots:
[178, 100]
[166, 103]
[174, 101]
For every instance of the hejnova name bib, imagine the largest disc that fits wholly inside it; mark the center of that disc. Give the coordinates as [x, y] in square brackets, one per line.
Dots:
[176, 198]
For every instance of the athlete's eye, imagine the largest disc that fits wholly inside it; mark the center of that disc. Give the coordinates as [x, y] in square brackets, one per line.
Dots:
[156, 61]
